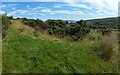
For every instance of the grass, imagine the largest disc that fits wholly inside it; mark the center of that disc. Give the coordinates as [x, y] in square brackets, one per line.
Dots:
[27, 54]
[105, 49]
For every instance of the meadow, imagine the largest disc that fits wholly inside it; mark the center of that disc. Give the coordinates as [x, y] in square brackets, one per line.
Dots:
[25, 53]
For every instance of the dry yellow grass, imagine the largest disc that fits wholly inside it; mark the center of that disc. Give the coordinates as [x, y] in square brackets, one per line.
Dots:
[112, 41]
[29, 30]
[19, 25]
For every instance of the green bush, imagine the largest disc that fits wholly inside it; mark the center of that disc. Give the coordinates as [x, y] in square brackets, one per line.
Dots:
[104, 49]
[60, 28]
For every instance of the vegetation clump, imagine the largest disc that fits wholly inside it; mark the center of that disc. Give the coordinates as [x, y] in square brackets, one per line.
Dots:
[60, 28]
[104, 48]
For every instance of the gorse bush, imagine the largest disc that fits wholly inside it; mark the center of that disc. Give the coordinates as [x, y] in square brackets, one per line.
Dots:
[34, 23]
[60, 28]
[104, 49]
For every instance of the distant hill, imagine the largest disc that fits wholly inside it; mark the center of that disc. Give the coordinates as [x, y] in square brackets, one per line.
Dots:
[71, 21]
[111, 23]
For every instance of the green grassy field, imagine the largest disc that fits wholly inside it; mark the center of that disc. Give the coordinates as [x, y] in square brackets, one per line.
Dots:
[24, 53]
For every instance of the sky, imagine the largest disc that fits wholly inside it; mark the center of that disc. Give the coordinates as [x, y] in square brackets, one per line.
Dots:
[60, 9]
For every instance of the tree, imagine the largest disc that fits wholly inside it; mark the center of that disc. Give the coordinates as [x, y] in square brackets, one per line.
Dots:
[10, 17]
[80, 22]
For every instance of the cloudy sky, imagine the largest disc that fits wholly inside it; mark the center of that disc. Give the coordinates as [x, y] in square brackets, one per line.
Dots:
[64, 9]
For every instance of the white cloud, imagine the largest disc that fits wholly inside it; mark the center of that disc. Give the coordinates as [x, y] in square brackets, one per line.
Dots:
[104, 6]
[27, 6]
[67, 12]
[46, 10]
[108, 4]
[45, 0]
[37, 8]
[13, 8]
[57, 6]
[98, 11]
[7, 5]
[2, 12]
[2, 6]
[61, 11]
[17, 11]
[75, 9]
[80, 5]
[36, 14]
[19, 0]
[24, 12]
[76, 4]
[12, 13]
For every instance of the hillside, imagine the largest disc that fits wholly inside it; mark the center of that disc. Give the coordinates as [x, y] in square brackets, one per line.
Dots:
[111, 23]
[25, 53]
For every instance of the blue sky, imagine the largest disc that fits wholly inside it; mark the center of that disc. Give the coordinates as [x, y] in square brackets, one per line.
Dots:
[66, 9]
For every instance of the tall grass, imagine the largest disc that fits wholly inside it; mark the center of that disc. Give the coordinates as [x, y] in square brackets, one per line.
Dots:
[105, 48]
[5, 24]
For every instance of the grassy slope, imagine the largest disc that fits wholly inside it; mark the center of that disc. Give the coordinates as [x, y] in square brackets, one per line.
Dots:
[24, 53]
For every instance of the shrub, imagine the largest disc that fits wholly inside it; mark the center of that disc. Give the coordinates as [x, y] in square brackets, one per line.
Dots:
[91, 38]
[104, 31]
[104, 49]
